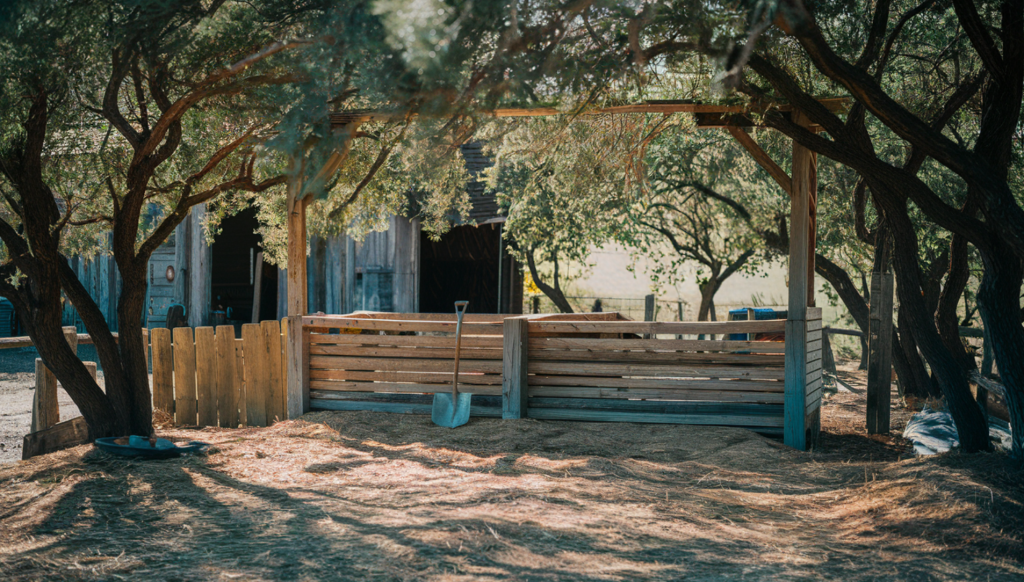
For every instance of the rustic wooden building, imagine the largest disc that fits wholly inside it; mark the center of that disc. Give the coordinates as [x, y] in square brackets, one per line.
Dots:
[397, 270]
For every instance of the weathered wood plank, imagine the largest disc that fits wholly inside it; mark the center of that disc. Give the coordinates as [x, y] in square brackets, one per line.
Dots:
[813, 345]
[386, 387]
[240, 380]
[163, 370]
[405, 341]
[654, 328]
[654, 394]
[673, 384]
[814, 366]
[401, 364]
[45, 409]
[813, 356]
[467, 318]
[185, 413]
[415, 377]
[402, 352]
[653, 418]
[62, 435]
[813, 325]
[341, 322]
[257, 378]
[657, 344]
[206, 376]
[661, 371]
[394, 407]
[619, 356]
[515, 369]
[275, 405]
[227, 376]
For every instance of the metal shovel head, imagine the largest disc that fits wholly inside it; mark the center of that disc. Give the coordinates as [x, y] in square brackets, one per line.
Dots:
[448, 413]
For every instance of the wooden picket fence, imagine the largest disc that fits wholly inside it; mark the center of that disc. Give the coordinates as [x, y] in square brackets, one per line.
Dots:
[208, 377]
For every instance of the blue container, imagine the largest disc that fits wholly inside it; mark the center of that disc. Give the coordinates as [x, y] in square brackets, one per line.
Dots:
[760, 313]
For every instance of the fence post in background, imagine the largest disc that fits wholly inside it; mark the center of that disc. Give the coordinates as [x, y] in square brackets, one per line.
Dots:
[163, 370]
[535, 301]
[206, 376]
[648, 311]
[298, 368]
[45, 409]
[880, 352]
[184, 377]
[514, 385]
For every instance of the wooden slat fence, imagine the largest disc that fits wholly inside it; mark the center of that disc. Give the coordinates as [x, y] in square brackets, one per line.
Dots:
[620, 376]
[208, 377]
[375, 361]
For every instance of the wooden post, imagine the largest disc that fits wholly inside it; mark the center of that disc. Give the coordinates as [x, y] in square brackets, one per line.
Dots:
[812, 227]
[206, 376]
[794, 424]
[257, 290]
[880, 352]
[648, 310]
[298, 368]
[297, 290]
[514, 384]
[45, 408]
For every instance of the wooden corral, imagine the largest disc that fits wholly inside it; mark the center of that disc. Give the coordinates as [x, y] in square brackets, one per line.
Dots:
[593, 367]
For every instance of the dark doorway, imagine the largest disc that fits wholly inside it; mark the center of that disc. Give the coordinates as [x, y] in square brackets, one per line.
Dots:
[464, 265]
[234, 271]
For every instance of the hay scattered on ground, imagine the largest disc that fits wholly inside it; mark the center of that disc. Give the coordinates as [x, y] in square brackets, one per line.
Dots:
[371, 496]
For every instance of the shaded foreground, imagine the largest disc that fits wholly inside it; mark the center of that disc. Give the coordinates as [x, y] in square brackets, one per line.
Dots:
[386, 497]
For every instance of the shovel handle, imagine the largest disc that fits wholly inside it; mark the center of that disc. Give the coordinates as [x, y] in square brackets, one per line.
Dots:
[460, 310]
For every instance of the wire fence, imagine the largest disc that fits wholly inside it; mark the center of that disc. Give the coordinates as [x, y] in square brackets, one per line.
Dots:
[634, 307]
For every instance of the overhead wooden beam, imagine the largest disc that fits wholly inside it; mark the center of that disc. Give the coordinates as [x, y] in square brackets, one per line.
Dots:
[762, 158]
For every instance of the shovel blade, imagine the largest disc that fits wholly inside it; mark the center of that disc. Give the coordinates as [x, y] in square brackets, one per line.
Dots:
[449, 413]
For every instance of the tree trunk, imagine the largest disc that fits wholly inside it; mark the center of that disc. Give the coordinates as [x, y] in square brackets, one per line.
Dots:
[971, 426]
[133, 350]
[946, 320]
[707, 298]
[916, 383]
[999, 303]
[553, 292]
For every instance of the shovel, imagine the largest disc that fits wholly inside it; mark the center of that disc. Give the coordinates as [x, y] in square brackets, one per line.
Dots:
[452, 410]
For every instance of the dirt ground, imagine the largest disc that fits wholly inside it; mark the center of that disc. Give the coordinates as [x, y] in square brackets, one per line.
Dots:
[371, 496]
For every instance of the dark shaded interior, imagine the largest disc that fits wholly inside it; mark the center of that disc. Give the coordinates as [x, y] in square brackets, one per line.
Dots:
[233, 271]
[464, 265]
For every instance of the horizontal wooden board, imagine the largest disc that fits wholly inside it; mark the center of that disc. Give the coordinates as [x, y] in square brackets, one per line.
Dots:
[402, 364]
[418, 341]
[661, 371]
[656, 344]
[763, 360]
[814, 336]
[813, 375]
[658, 327]
[813, 325]
[815, 365]
[413, 377]
[636, 383]
[813, 356]
[653, 418]
[655, 394]
[393, 407]
[329, 322]
[660, 406]
[466, 318]
[814, 345]
[383, 387]
[403, 352]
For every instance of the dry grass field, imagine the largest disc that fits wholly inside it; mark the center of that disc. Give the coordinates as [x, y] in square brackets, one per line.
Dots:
[370, 496]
